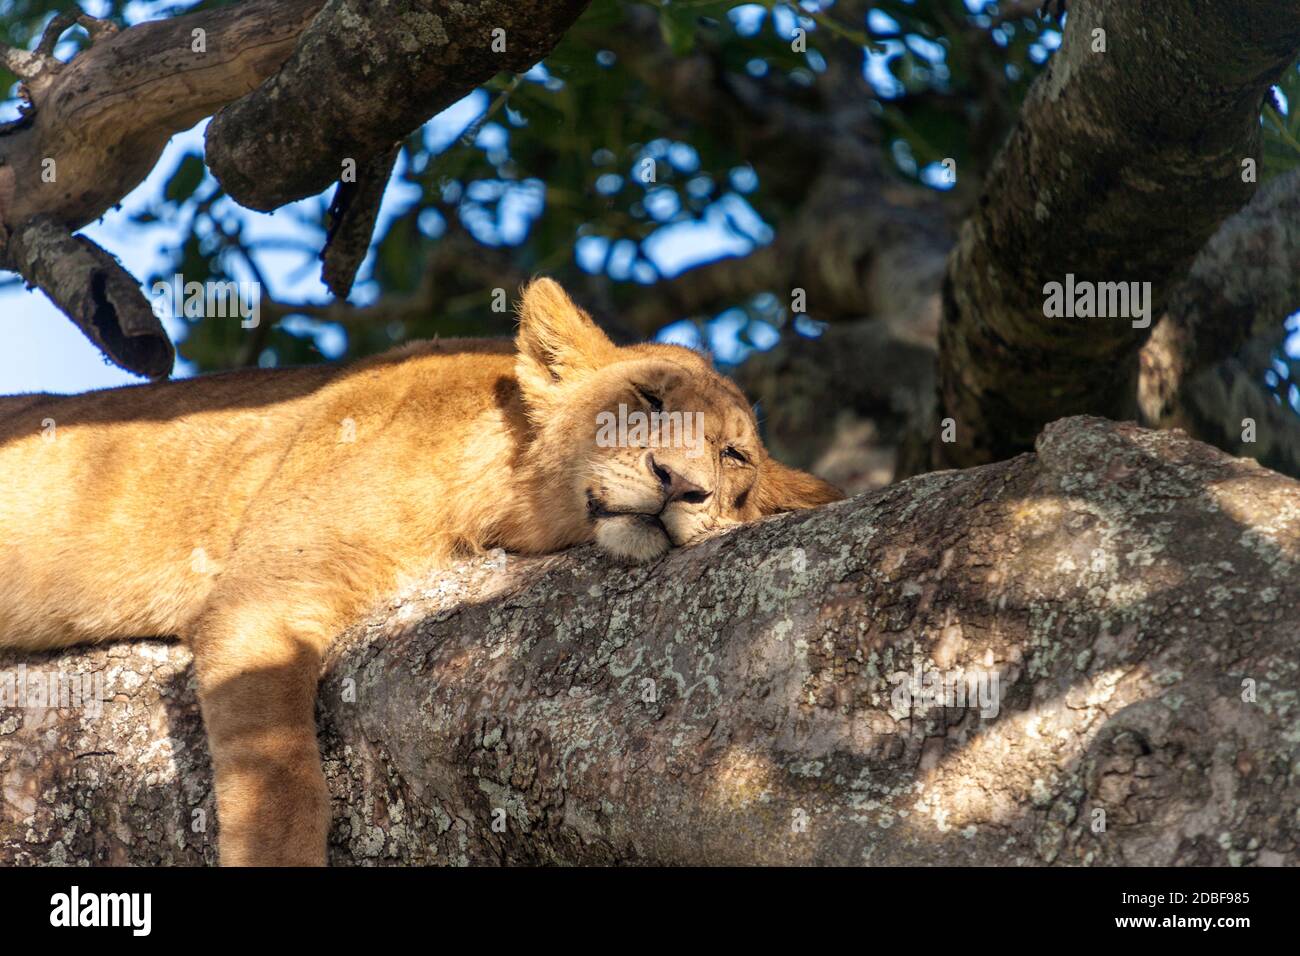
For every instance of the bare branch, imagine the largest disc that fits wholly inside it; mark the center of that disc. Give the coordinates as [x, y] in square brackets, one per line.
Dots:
[24, 64]
[95, 292]
[104, 118]
[53, 30]
[352, 221]
[35, 67]
[97, 127]
[97, 28]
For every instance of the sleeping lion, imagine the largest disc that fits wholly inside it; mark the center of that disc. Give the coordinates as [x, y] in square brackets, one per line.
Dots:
[255, 514]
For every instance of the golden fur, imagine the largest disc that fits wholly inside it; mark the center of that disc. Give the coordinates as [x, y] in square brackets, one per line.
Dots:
[253, 514]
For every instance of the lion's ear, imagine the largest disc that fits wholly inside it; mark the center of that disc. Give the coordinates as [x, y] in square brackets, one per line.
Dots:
[557, 341]
[788, 489]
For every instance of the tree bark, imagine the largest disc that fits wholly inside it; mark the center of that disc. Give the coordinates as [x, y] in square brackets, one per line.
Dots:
[1203, 367]
[1123, 163]
[364, 75]
[1201, 370]
[103, 118]
[1134, 592]
[1242, 284]
[96, 293]
[96, 127]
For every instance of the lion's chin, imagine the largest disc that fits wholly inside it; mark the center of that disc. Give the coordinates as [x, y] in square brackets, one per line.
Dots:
[632, 538]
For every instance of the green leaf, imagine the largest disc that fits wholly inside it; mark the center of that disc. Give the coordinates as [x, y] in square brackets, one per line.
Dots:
[187, 177]
[678, 31]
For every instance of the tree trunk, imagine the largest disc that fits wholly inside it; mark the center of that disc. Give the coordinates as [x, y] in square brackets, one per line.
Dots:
[1131, 149]
[1128, 597]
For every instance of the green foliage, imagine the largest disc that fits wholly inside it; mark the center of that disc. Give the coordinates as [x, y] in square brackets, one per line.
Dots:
[1282, 128]
[186, 179]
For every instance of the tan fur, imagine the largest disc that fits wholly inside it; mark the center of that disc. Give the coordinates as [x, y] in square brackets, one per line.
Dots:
[254, 514]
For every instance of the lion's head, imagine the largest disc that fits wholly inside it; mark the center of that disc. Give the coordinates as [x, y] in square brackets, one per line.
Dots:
[647, 445]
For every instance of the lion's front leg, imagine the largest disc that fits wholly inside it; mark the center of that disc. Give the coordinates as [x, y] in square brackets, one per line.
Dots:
[257, 689]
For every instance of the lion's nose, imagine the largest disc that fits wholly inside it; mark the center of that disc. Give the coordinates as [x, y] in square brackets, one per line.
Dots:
[675, 486]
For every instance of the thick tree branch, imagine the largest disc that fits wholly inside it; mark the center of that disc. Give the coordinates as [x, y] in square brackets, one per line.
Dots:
[96, 127]
[98, 124]
[1202, 369]
[1123, 164]
[364, 76]
[1242, 286]
[739, 702]
[101, 121]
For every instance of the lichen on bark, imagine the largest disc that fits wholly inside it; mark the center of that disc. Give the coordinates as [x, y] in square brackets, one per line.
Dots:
[1134, 593]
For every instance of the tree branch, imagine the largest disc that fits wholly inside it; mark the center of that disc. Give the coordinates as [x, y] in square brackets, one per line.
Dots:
[61, 22]
[751, 712]
[96, 293]
[98, 124]
[1122, 166]
[23, 64]
[364, 76]
[96, 127]
[352, 221]
[1242, 286]
[30, 65]
[102, 120]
